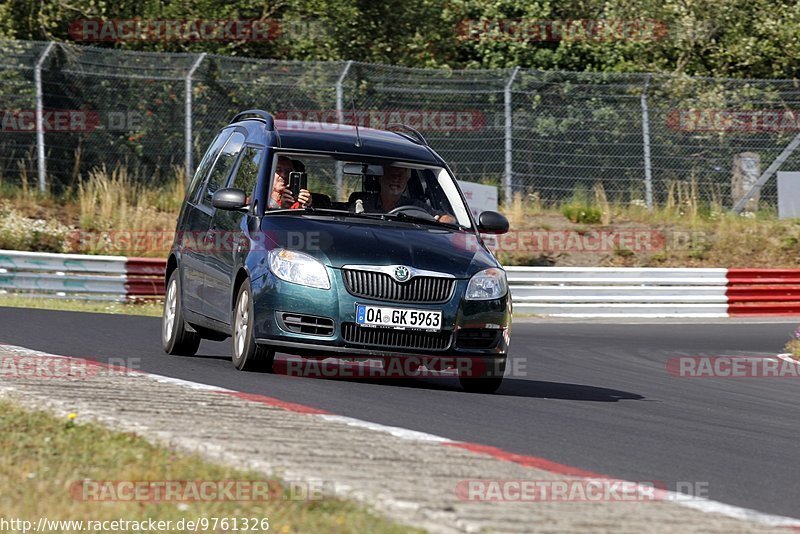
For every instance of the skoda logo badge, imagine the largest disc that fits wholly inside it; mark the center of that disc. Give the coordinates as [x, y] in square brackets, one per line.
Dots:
[401, 273]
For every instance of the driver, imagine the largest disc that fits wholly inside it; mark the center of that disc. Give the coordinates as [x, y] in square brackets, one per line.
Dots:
[393, 184]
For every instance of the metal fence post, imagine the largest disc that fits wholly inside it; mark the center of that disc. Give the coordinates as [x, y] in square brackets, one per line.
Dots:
[648, 169]
[188, 124]
[507, 179]
[37, 79]
[340, 119]
[774, 166]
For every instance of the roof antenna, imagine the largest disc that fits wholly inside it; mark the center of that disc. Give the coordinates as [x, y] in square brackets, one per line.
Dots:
[355, 119]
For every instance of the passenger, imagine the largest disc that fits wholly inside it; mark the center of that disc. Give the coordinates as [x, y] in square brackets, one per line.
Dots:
[281, 196]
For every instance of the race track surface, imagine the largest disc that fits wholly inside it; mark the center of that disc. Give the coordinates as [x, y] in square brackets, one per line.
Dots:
[591, 395]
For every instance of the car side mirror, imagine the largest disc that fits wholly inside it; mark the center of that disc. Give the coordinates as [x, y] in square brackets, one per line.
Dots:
[491, 222]
[230, 199]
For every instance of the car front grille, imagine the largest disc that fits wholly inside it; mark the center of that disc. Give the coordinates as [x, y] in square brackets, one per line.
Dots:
[395, 339]
[381, 286]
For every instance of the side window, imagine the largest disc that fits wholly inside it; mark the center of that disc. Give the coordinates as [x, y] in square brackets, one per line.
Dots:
[205, 164]
[247, 174]
[222, 168]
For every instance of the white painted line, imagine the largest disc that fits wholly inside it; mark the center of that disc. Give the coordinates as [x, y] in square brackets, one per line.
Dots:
[736, 512]
[402, 433]
[185, 383]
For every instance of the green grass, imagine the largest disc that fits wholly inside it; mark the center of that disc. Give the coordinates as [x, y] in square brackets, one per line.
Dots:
[44, 456]
[150, 308]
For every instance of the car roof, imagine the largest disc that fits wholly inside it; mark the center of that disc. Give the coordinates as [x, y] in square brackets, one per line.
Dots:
[340, 139]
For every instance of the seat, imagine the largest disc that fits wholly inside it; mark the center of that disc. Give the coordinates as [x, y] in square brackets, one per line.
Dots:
[365, 197]
[320, 200]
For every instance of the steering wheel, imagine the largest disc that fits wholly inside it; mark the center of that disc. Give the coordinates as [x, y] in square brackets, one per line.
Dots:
[412, 211]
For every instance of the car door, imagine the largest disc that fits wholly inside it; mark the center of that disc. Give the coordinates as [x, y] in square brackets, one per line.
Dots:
[219, 245]
[228, 226]
[194, 225]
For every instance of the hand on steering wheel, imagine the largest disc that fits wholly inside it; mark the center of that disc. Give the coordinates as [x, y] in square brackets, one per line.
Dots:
[412, 211]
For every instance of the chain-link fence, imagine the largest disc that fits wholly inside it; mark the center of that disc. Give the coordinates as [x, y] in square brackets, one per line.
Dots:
[643, 138]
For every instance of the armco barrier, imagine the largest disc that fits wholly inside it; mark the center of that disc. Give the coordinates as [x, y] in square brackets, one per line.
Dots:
[80, 276]
[763, 291]
[553, 291]
[619, 292]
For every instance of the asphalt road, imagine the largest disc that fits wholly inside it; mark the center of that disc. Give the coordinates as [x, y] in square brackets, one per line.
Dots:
[595, 396]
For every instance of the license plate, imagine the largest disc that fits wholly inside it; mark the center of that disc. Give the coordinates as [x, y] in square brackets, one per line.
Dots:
[398, 317]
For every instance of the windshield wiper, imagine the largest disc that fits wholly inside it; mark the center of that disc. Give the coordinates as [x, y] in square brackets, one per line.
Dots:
[431, 222]
[306, 210]
[363, 215]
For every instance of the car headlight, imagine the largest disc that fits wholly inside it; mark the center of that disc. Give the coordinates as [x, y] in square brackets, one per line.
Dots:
[488, 284]
[298, 268]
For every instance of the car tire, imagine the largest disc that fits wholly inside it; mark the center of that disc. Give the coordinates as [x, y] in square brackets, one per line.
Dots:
[247, 354]
[484, 377]
[176, 337]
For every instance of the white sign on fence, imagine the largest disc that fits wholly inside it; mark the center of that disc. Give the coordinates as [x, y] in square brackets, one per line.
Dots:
[479, 197]
[788, 195]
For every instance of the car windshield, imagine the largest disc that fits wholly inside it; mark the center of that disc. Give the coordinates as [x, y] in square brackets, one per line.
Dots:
[407, 191]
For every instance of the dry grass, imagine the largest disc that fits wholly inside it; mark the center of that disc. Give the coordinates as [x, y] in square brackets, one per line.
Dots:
[114, 201]
[113, 204]
[695, 233]
[688, 231]
[106, 208]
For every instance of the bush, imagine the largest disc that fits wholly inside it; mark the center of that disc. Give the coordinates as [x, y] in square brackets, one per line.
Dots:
[582, 213]
[34, 235]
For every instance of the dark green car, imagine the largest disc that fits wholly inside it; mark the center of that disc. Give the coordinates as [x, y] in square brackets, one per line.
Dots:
[374, 254]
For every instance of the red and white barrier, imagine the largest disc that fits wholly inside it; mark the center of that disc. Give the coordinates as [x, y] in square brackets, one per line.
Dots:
[552, 291]
[80, 276]
[654, 292]
[763, 291]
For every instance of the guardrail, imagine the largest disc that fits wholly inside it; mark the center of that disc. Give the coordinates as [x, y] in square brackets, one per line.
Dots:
[619, 292]
[80, 276]
[763, 291]
[553, 291]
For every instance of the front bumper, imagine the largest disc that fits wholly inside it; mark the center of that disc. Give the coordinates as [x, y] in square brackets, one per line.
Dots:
[273, 296]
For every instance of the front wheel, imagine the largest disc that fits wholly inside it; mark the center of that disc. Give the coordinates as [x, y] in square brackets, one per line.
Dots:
[482, 376]
[175, 335]
[247, 354]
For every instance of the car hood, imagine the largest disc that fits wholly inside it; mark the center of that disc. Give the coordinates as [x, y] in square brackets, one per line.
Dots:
[339, 242]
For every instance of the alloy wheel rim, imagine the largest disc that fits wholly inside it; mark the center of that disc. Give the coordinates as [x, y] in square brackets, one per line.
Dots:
[242, 319]
[169, 310]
